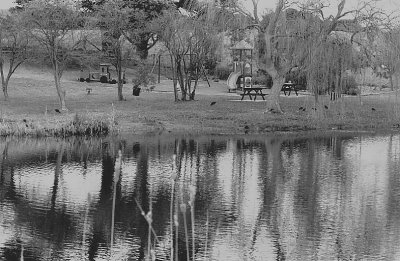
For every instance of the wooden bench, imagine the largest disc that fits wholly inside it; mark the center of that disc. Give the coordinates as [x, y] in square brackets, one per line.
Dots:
[289, 87]
[253, 91]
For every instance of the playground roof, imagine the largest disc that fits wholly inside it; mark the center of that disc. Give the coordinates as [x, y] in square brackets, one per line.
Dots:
[242, 45]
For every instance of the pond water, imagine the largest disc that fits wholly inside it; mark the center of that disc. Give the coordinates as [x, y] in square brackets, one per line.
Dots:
[201, 198]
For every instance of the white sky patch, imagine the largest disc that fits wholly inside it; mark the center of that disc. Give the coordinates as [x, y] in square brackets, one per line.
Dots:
[5, 4]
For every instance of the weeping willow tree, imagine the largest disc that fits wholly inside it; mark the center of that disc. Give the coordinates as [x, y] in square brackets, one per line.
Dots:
[305, 41]
[297, 38]
[384, 53]
[328, 64]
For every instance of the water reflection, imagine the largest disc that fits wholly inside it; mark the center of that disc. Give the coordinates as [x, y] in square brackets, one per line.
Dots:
[206, 198]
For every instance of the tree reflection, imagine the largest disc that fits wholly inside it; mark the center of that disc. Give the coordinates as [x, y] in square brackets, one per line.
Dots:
[101, 226]
[276, 198]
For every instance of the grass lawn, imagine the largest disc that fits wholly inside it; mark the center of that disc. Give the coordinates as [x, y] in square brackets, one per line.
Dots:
[33, 101]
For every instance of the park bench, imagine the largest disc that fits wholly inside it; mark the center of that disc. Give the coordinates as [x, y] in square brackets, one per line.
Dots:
[253, 91]
[289, 87]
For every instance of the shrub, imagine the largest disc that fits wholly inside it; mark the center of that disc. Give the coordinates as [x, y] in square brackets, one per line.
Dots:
[210, 65]
[222, 72]
[262, 78]
[83, 125]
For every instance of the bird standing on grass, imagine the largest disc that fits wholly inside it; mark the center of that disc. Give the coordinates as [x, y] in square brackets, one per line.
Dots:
[212, 103]
[57, 110]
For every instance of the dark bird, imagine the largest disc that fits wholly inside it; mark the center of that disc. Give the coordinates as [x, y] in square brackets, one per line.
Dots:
[325, 106]
[314, 109]
[373, 109]
[212, 103]
[304, 109]
[24, 120]
[246, 127]
[273, 111]
[57, 110]
[301, 108]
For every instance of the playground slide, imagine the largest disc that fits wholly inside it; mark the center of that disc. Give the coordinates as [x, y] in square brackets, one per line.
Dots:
[231, 82]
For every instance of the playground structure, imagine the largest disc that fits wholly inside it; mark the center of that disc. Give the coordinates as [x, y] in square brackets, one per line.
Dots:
[241, 77]
[103, 75]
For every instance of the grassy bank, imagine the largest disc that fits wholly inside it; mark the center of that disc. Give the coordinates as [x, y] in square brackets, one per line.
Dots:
[33, 100]
[56, 126]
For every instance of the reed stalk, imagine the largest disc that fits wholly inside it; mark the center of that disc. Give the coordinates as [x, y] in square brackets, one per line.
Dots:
[171, 216]
[206, 244]
[22, 252]
[85, 225]
[117, 173]
[183, 210]
[171, 211]
[149, 219]
[149, 236]
[176, 223]
[192, 194]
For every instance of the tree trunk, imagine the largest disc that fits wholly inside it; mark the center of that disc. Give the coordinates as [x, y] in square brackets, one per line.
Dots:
[181, 80]
[142, 49]
[120, 82]
[174, 78]
[61, 93]
[118, 67]
[391, 81]
[193, 93]
[4, 82]
[5, 90]
[278, 76]
[274, 103]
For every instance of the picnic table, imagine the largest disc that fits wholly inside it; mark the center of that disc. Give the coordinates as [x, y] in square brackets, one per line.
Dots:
[253, 91]
[288, 87]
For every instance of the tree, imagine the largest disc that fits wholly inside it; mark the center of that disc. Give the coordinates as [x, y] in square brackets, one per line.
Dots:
[173, 29]
[113, 18]
[136, 31]
[295, 39]
[14, 47]
[383, 52]
[190, 40]
[51, 24]
[140, 34]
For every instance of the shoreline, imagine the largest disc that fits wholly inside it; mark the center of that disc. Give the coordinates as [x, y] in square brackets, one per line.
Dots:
[33, 100]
